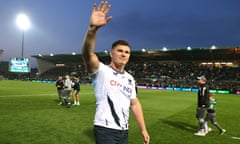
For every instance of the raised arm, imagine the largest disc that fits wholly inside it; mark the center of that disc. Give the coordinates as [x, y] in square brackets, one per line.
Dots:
[98, 19]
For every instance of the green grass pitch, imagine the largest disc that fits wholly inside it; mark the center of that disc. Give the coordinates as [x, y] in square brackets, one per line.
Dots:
[30, 114]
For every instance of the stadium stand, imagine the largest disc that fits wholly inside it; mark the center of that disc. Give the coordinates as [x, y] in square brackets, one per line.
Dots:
[1, 51]
[173, 68]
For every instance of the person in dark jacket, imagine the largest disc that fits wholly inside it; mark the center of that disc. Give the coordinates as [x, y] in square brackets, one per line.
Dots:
[60, 87]
[202, 104]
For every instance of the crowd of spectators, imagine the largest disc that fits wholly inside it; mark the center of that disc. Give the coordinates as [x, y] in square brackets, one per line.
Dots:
[184, 75]
[156, 74]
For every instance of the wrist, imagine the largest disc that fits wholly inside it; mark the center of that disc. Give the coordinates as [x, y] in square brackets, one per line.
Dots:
[92, 28]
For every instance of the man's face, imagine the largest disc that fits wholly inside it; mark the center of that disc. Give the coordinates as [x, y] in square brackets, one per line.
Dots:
[120, 54]
[201, 81]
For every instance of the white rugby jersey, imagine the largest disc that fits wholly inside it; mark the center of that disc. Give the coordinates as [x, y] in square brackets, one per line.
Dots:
[68, 84]
[113, 93]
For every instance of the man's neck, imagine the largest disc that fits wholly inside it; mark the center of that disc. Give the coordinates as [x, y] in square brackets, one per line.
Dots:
[117, 67]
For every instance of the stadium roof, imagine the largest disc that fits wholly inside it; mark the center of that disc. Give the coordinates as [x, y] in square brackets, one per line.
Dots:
[61, 58]
[227, 54]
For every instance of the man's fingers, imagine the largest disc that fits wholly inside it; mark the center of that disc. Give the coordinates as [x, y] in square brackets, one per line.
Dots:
[109, 18]
[107, 8]
[94, 7]
[101, 6]
[146, 140]
[104, 6]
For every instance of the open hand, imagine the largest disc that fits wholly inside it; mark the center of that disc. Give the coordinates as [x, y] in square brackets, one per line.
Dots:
[99, 14]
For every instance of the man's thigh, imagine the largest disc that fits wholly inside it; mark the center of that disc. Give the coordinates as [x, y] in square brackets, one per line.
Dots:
[110, 136]
[201, 113]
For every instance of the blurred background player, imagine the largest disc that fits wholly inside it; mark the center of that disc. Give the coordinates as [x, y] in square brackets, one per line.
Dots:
[76, 89]
[202, 104]
[67, 90]
[211, 115]
[59, 85]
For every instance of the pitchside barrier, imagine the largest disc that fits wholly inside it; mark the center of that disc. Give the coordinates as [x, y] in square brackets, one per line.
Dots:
[216, 91]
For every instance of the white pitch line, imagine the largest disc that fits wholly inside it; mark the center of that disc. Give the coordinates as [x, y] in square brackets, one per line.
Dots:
[27, 95]
[55, 94]
[238, 138]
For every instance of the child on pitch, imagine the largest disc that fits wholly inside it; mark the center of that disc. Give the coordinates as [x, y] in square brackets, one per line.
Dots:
[76, 89]
[211, 115]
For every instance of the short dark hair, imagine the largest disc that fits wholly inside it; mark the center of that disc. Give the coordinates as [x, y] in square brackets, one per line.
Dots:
[120, 42]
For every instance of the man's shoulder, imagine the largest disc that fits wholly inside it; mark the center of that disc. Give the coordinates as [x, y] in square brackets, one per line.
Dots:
[128, 75]
[102, 66]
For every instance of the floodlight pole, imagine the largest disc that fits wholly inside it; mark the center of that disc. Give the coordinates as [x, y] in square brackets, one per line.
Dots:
[23, 23]
[22, 42]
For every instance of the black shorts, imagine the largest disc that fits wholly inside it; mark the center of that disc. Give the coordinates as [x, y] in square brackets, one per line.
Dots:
[201, 112]
[76, 91]
[211, 117]
[110, 136]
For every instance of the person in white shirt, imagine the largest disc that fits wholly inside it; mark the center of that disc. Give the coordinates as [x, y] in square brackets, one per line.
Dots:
[114, 87]
[67, 90]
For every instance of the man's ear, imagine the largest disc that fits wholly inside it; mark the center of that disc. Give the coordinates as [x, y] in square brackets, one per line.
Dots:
[110, 54]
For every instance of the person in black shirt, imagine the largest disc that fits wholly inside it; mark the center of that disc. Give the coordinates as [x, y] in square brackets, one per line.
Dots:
[202, 104]
[60, 85]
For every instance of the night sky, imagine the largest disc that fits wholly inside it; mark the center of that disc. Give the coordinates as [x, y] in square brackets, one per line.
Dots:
[59, 26]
